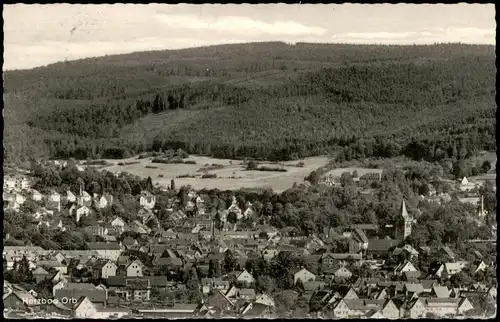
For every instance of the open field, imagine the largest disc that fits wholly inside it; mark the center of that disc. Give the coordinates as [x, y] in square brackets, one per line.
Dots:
[490, 156]
[278, 181]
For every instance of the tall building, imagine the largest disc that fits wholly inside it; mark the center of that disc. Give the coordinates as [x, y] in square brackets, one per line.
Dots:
[403, 228]
[482, 213]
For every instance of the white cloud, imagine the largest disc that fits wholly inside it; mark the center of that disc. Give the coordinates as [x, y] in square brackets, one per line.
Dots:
[36, 35]
[233, 24]
[426, 36]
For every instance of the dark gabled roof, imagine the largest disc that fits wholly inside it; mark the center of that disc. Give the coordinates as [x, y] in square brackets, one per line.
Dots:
[343, 256]
[365, 226]
[412, 274]
[361, 235]
[168, 261]
[381, 245]
[93, 295]
[103, 246]
[448, 251]
[313, 258]
[428, 284]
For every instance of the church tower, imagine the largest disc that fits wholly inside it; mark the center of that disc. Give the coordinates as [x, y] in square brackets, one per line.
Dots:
[403, 229]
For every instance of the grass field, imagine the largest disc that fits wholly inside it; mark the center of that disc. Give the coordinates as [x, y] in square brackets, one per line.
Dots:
[490, 156]
[278, 181]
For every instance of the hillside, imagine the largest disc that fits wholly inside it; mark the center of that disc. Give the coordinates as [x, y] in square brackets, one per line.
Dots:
[262, 100]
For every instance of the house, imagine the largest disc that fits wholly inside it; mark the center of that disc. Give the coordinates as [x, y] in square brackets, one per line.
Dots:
[381, 247]
[369, 178]
[374, 314]
[84, 199]
[268, 230]
[129, 242]
[411, 276]
[442, 307]
[9, 183]
[147, 200]
[259, 311]
[479, 266]
[13, 201]
[40, 274]
[413, 288]
[343, 272]
[175, 311]
[77, 290]
[341, 310]
[17, 298]
[57, 308]
[466, 185]
[97, 230]
[104, 269]
[234, 209]
[219, 301]
[265, 299]
[331, 260]
[331, 180]
[36, 195]
[358, 241]
[84, 309]
[441, 292]
[243, 276]
[79, 212]
[105, 250]
[70, 197]
[216, 284]
[53, 264]
[119, 224]
[232, 292]
[406, 266]
[446, 254]
[101, 203]
[246, 294]
[249, 212]
[413, 309]
[428, 285]
[135, 268]
[304, 275]
[54, 201]
[138, 227]
[451, 269]
[349, 294]
[464, 306]
[407, 250]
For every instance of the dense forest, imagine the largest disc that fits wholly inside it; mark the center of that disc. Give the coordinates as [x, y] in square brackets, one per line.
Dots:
[264, 100]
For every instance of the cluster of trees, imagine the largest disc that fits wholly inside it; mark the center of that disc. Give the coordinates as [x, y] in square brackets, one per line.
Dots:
[259, 108]
[311, 209]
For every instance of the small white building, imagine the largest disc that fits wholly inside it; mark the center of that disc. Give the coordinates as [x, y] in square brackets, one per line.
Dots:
[134, 268]
[70, 197]
[304, 275]
[81, 212]
[36, 195]
[147, 200]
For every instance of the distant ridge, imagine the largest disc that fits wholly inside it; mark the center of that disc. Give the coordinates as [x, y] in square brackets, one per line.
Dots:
[265, 100]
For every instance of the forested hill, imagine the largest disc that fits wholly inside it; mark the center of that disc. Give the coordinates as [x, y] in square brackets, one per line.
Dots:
[259, 100]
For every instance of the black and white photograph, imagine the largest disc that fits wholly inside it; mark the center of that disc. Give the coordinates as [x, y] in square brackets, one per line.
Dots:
[249, 161]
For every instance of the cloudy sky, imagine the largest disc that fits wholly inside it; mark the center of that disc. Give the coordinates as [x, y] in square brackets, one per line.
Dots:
[36, 35]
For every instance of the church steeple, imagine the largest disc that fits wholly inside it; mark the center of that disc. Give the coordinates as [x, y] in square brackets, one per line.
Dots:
[403, 229]
[404, 212]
